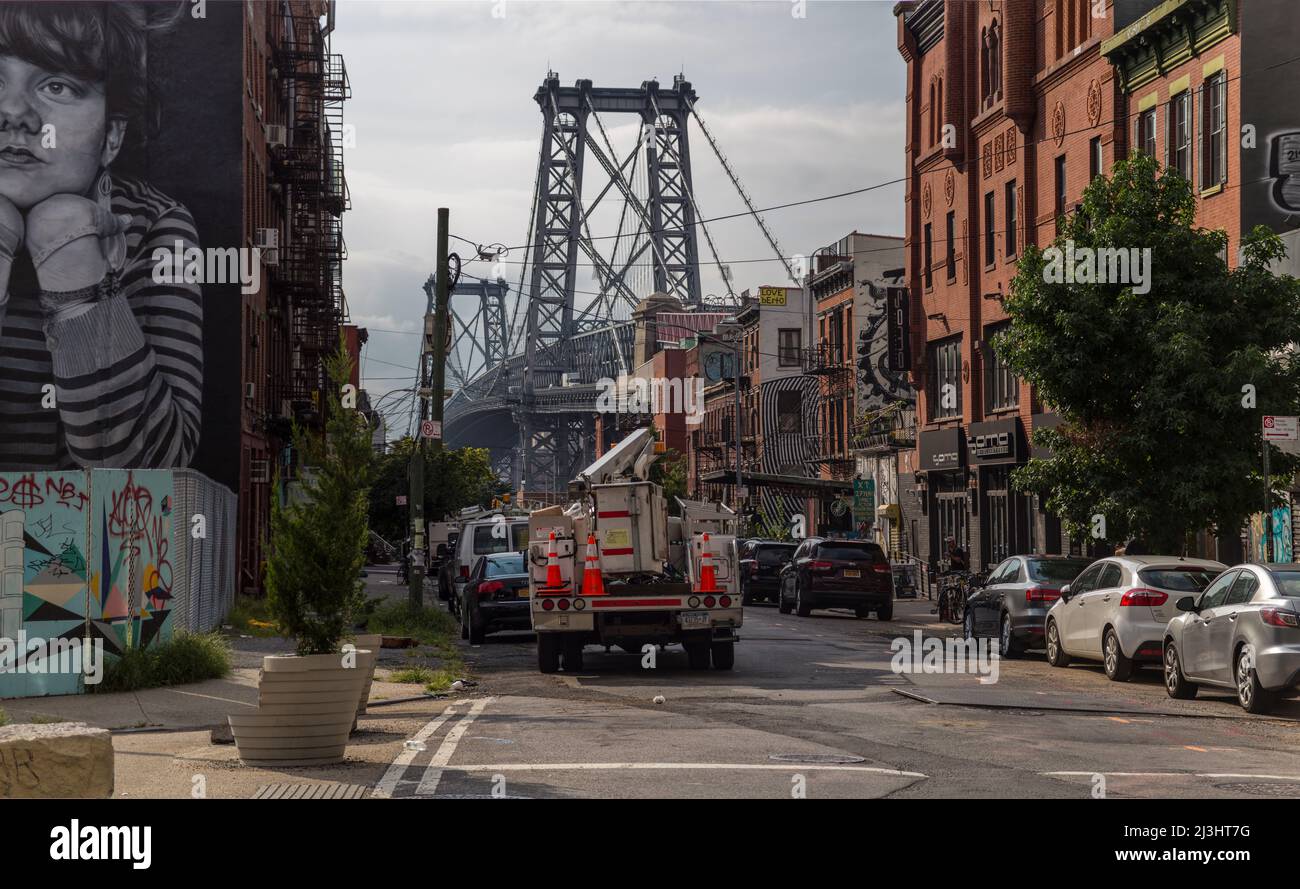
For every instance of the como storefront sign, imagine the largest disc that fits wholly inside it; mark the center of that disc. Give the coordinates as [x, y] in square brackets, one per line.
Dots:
[994, 442]
[941, 450]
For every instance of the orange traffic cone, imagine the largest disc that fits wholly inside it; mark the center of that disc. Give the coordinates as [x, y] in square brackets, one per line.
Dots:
[708, 580]
[592, 583]
[553, 579]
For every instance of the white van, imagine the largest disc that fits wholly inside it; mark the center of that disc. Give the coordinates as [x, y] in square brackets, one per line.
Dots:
[494, 534]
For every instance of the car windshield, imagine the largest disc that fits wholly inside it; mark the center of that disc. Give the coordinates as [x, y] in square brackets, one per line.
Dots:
[1055, 570]
[487, 542]
[1288, 583]
[498, 566]
[1179, 580]
[851, 552]
[773, 555]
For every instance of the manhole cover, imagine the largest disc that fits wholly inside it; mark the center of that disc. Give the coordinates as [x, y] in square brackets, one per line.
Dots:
[312, 791]
[1264, 788]
[819, 758]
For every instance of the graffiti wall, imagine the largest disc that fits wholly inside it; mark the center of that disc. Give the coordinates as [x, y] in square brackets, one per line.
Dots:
[85, 555]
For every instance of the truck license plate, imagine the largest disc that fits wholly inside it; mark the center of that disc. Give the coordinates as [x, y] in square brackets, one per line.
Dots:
[694, 619]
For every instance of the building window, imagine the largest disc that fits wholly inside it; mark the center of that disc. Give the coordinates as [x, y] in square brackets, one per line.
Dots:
[1096, 161]
[990, 64]
[928, 257]
[789, 412]
[1214, 130]
[944, 396]
[1001, 387]
[1058, 206]
[788, 344]
[1146, 135]
[990, 254]
[952, 246]
[1011, 218]
[1180, 134]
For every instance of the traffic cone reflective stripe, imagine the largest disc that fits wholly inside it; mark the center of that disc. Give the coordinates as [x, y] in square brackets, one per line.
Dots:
[553, 579]
[592, 583]
[708, 580]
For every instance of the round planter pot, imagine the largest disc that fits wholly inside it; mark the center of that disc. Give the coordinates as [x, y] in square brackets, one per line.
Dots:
[306, 708]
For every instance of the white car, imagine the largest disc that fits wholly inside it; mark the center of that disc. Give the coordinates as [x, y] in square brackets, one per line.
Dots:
[1116, 611]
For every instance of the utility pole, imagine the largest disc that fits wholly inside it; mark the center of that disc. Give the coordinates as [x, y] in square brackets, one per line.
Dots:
[433, 361]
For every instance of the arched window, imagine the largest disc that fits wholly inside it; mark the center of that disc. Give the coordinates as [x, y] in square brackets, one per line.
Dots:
[995, 60]
[985, 86]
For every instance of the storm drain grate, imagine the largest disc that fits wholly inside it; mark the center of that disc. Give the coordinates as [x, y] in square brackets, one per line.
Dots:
[817, 758]
[312, 791]
[1263, 788]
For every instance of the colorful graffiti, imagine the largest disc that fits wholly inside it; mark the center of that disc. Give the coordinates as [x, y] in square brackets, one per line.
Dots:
[82, 555]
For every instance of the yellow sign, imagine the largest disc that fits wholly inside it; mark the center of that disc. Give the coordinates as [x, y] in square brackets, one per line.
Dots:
[771, 296]
[617, 538]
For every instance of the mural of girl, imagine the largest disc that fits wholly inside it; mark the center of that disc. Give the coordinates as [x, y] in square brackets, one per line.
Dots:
[100, 365]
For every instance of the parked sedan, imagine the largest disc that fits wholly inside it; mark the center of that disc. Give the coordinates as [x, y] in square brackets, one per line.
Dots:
[760, 568]
[838, 574]
[495, 597]
[1013, 602]
[1116, 611]
[1242, 632]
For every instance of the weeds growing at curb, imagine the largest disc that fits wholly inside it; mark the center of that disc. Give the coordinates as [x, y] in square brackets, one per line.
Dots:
[251, 617]
[430, 626]
[186, 657]
[3, 718]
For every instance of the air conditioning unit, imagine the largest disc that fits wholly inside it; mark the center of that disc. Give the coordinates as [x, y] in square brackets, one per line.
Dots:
[268, 239]
[276, 133]
[271, 257]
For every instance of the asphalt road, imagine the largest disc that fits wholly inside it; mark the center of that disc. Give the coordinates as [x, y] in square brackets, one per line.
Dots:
[813, 707]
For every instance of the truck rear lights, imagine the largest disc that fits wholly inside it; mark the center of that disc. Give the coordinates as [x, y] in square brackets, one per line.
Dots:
[1041, 594]
[724, 602]
[709, 602]
[693, 601]
[1279, 617]
[563, 604]
[548, 604]
[1140, 596]
[579, 604]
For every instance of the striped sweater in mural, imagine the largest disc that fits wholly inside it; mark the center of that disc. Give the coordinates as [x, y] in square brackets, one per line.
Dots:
[127, 374]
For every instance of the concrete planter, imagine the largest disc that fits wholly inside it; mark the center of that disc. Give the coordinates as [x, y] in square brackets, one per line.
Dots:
[306, 709]
[368, 645]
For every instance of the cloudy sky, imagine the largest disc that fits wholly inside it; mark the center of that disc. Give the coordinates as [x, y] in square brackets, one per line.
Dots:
[444, 117]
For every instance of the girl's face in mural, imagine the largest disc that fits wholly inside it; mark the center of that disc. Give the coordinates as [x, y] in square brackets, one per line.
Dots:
[55, 133]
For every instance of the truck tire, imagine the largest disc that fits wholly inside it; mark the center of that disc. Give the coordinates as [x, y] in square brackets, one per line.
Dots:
[697, 655]
[548, 652]
[573, 655]
[724, 655]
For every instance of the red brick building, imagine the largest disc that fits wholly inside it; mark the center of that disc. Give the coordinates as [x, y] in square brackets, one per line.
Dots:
[1013, 106]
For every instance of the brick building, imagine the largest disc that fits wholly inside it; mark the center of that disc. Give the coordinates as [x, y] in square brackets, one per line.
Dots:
[1013, 106]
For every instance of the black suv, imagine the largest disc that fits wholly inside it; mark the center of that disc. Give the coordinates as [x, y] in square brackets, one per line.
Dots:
[760, 568]
[836, 573]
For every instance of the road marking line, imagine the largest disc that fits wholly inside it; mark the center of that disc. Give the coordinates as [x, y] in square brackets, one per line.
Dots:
[1197, 749]
[387, 784]
[1173, 775]
[670, 766]
[433, 771]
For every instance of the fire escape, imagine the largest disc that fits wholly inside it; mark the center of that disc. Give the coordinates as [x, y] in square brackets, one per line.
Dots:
[308, 279]
[830, 361]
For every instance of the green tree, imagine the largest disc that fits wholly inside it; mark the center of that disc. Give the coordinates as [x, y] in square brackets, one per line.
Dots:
[318, 535]
[453, 478]
[1159, 434]
[669, 472]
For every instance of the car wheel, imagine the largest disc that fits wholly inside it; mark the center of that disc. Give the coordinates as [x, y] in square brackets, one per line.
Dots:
[476, 629]
[548, 652]
[1118, 667]
[885, 612]
[1250, 694]
[802, 606]
[1056, 655]
[781, 604]
[1176, 683]
[697, 655]
[460, 619]
[724, 655]
[1007, 644]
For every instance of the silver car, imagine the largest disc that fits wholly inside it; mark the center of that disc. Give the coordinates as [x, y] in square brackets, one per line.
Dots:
[1013, 602]
[1243, 632]
[1116, 611]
